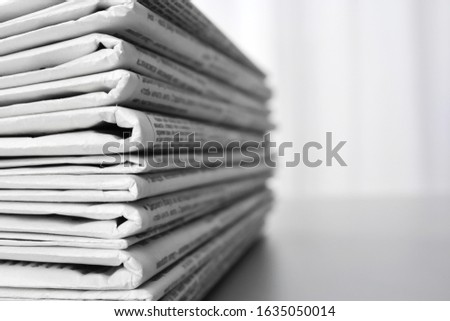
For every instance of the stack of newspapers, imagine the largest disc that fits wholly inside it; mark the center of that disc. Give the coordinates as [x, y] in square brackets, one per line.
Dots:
[132, 164]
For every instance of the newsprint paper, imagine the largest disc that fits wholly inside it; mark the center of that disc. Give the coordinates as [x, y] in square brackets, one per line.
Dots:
[125, 163]
[97, 53]
[185, 14]
[131, 21]
[90, 131]
[131, 158]
[121, 87]
[219, 252]
[56, 222]
[198, 284]
[95, 269]
[10, 10]
[114, 188]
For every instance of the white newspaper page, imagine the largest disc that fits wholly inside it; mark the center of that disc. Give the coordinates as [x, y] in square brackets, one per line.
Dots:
[124, 163]
[97, 53]
[125, 88]
[106, 130]
[232, 240]
[199, 283]
[10, 9]
[148, 215]
[185, 14]
[114, 188]
[111, 269]
[129, 20]
[107, 211]
[17, 239]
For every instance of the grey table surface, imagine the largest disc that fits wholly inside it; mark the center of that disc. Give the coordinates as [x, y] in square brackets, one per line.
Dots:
[377, 249]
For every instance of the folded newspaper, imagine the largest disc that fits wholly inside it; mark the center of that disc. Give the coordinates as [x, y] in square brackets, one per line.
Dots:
[114, 188]
[130, 20]
[116, 221]
[107, 130]
[195, 286]
[127, 89]
[228, 244]
[97, 53]
[10, 10]
[95, 269]
[126, 163]
[187, 16]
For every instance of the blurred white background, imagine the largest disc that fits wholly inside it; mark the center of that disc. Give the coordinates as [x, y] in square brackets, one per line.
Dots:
[375, 73]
